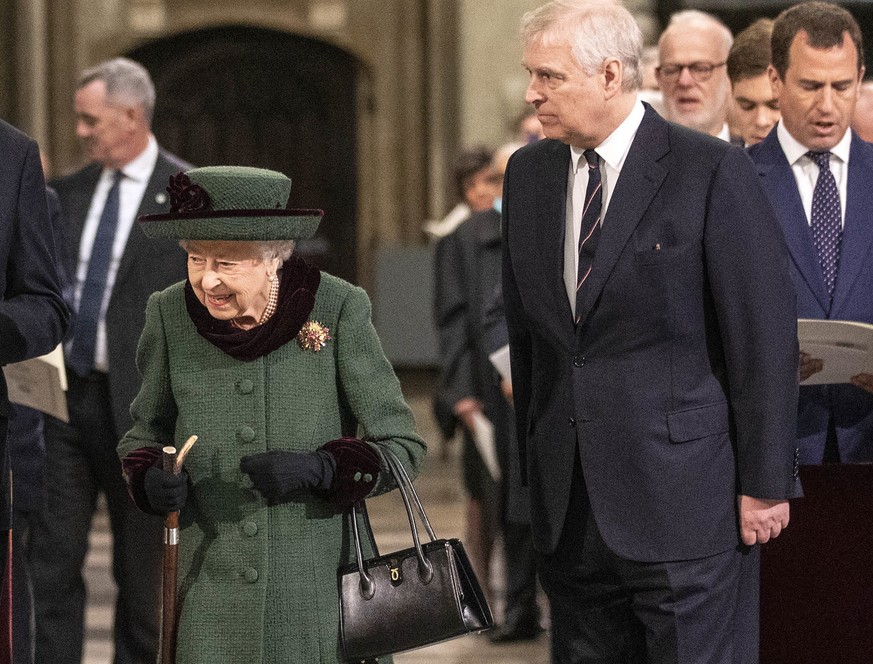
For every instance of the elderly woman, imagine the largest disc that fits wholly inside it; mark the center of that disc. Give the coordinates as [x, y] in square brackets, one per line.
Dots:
[278, 370]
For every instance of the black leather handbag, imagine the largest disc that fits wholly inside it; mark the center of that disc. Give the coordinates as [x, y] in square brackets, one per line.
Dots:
[410, 598]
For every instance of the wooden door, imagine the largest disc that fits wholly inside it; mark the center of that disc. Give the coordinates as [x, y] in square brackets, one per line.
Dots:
[255, 97]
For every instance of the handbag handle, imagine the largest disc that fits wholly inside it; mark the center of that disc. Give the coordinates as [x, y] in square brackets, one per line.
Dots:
[409, 494]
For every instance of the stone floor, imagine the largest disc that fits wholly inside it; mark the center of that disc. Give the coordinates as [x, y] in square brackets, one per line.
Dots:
[440, 490]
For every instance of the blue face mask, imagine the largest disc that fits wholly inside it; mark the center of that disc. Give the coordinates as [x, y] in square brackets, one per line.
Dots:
[498, 205]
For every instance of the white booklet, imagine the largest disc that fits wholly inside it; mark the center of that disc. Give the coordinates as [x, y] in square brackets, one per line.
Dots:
[844, 347]
[486, 444]
[40, 383]
[500, 359]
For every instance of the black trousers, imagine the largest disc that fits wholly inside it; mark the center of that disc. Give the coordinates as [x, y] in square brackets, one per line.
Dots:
[81, 462]
[606, 609]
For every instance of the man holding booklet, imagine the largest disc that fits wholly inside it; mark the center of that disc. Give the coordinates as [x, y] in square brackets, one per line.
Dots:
[816, 172]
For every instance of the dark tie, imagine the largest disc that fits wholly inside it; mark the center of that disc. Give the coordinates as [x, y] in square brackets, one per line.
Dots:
[590, 229]
[827, 230]
[81, 358]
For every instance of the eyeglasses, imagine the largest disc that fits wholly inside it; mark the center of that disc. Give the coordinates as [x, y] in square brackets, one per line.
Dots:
[700, 71]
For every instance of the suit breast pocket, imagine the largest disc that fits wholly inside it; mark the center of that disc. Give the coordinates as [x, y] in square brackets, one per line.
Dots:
[658, 254]
[696, 423]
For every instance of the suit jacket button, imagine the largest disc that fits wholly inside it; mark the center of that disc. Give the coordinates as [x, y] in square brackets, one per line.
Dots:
[579, 361]
[251, 575]
[572, 422]
[245, 386]
[250, 528]
[246, 434]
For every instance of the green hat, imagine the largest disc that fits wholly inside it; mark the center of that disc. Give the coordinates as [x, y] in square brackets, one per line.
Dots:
[231, 203]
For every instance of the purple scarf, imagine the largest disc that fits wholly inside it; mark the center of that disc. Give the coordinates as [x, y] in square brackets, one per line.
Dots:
[297, 289]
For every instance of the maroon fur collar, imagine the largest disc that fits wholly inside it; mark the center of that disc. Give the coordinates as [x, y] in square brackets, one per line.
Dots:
[297, 290]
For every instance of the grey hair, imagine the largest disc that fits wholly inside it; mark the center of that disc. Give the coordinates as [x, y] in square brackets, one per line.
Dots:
[597, 30]
[281, 249]
[126, 81]
[693, 18]
[268, 249]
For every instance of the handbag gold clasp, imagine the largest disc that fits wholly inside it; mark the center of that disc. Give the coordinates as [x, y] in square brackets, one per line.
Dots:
[394, 571]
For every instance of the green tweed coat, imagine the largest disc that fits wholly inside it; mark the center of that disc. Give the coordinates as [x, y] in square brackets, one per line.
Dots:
[257, 583]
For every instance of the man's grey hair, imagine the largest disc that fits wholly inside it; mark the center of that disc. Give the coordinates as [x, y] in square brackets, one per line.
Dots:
[597, 30]
[691, 19]
[127, 82]
[268, 249]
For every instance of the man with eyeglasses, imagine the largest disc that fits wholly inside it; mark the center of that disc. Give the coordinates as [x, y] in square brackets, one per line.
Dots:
[693, 52]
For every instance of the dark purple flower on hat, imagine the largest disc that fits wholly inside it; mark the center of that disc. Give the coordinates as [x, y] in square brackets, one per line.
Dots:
[185, 196]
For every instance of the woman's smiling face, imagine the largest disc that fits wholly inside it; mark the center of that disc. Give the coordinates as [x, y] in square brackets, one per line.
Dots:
[231, 279]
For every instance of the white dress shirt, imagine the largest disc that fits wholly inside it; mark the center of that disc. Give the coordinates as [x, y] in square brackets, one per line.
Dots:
[131, 189]
[806, 170]
[611, 153]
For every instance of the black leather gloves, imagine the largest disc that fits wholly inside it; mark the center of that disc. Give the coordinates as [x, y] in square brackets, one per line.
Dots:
[278, 473]
[165, 492]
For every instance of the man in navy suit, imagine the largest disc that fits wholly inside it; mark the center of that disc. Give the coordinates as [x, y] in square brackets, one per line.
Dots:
[656, 401]
[816, 75]
[33, 317]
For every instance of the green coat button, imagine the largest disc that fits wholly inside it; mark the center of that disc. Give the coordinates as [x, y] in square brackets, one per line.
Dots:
[251, 574]
[250, 528]
[245, 386]
[246, 434]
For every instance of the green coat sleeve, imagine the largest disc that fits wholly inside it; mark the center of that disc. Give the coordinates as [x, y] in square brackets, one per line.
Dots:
[372, 390]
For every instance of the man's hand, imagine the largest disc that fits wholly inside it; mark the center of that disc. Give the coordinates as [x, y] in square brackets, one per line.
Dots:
[864, 381]
[808, 366]
[506, 389]
[760, 519]
[464, 410]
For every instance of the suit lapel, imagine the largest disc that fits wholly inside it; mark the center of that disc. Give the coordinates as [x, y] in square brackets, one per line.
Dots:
[551, 221]
[781, 187]
[858, 229]
[154, 201]
[641, 177]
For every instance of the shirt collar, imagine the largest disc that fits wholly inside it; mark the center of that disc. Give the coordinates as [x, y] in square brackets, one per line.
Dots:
[614, 149]
[140, 169]
[794, 149]
[725, 133]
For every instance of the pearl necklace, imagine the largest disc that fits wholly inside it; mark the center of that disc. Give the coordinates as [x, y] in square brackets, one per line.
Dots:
[273, 301]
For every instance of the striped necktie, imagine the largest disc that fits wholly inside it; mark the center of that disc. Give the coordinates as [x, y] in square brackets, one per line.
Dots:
[590, 229]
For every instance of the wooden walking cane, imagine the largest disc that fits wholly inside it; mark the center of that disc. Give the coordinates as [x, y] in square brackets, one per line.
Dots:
[172, 463]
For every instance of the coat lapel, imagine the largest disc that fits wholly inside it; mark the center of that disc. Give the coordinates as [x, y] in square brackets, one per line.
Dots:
[858, 229]
[781, 187]
[551, 222]
[154, 201]
[641, 177]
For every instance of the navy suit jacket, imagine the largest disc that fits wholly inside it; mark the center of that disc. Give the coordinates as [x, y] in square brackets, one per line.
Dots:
[850, 407]
[33, 317]
[146, 266]
[679, 388]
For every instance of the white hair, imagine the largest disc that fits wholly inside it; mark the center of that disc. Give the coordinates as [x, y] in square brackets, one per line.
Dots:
[126, 81]
[692, 19]
[268, 249]
[597, 30]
